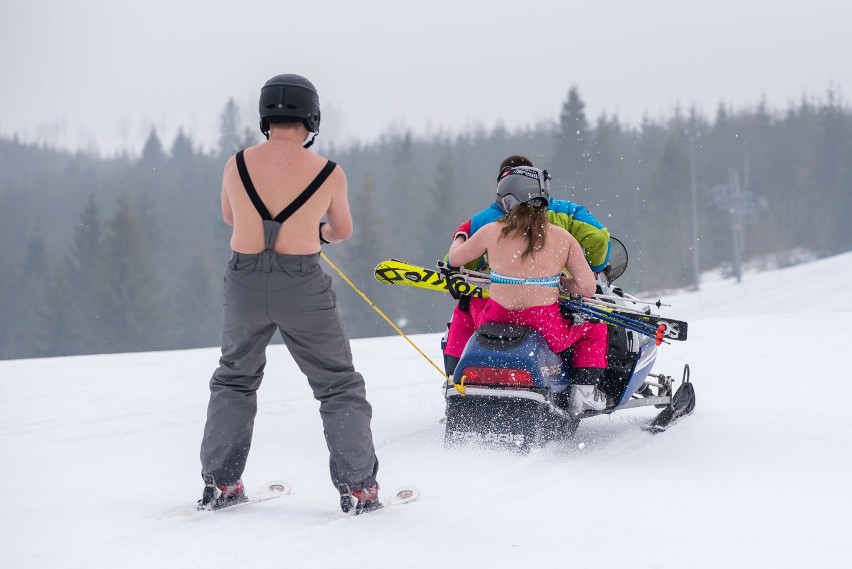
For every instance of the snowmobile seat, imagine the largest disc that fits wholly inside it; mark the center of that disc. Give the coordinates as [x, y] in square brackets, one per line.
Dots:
[501, 335]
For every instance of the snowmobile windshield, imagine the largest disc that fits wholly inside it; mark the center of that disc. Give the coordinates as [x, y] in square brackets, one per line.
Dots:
[617, 260]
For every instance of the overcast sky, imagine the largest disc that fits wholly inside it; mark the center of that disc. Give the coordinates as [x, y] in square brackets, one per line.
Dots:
[97, 74]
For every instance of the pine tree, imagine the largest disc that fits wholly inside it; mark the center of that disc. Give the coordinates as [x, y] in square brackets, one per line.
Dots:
[28, 299]
[152, 153]
[570, 157]
[182, 150]
[229, 129]
[86, 284]
[250, 138]
[137, 312]
[199, 303]
[670, 235]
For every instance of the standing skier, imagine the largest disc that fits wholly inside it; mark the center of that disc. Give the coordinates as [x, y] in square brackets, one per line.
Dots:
[274, 282]
[590, 233]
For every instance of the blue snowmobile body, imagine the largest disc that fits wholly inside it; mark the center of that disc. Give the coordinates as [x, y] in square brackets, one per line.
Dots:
[516, 391]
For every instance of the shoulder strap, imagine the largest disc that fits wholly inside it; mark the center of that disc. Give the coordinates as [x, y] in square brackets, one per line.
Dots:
[249, 186]
[306, 194]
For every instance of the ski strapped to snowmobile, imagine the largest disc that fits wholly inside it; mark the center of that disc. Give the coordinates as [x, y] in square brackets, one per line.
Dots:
[509, 389]
[465, 282]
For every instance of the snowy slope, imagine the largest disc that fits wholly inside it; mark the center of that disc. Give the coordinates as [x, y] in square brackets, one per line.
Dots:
[100, 457]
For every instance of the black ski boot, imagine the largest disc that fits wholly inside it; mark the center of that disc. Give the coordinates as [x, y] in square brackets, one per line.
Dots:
[450, 363]
[218, 496]
[359, 500]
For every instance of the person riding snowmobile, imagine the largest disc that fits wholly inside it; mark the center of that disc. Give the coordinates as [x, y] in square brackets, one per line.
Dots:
[590, 233]
[527, 254]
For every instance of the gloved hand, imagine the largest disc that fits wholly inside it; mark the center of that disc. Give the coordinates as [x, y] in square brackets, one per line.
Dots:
[457, 286]
[455, 281]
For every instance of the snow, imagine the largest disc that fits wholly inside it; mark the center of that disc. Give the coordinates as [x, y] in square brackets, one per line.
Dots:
[100, 457]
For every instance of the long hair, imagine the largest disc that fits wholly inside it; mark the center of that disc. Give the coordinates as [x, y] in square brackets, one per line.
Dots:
[529, 221]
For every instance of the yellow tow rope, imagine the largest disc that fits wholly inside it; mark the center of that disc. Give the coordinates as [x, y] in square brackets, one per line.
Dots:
[459, 386]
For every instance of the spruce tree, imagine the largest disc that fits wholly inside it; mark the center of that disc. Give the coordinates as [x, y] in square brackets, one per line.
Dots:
[570, 156]
[229, 129]
[86, 283]
[137, 313]
[182, 150]
[152, 153]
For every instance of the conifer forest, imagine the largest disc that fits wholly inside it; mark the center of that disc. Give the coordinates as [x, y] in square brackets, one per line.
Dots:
[126, 253]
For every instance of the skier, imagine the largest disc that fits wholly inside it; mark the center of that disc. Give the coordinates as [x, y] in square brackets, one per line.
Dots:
[576, 219]
[527, 254]
[274, 281]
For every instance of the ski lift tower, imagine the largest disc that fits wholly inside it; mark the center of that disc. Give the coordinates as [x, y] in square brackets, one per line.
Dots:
[742, 207]
[692, 134]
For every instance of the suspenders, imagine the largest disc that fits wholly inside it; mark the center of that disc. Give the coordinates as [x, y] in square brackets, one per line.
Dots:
[295, 204]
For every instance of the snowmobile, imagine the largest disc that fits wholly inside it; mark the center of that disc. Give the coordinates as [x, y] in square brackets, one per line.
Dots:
[509, 390]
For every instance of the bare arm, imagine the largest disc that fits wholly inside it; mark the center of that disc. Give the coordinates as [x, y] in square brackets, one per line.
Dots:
[456, 242]
[339, 226]
[462, 251]
[227, 212]
[583, 280]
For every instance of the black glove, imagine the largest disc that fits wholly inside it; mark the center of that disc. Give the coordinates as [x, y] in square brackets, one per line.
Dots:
[457, 286]
[323, 241]
[455, 281]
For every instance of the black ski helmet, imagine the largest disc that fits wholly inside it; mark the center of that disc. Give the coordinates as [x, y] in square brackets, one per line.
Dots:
[522, 184]
[289, 96]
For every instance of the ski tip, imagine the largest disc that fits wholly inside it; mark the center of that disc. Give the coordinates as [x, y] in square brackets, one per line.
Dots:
[405, 494]
[279, 487]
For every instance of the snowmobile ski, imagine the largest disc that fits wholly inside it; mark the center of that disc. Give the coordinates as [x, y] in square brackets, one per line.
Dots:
[682, 404]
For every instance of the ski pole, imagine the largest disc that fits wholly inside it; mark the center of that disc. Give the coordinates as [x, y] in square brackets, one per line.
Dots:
[628, 298]
[657, 333]
[616, 318]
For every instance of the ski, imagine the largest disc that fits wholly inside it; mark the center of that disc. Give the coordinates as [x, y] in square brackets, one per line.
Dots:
[647, 324]
[268, 492]
[402, 495]
[396, 272]
[473, 283]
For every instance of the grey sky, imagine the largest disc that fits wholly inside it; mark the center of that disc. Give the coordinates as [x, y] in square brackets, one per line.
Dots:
[99, 73]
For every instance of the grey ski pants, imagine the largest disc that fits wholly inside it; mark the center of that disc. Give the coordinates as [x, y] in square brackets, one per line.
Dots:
[291, 293]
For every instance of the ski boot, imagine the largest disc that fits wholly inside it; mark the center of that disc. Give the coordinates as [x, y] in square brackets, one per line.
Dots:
[450, 363]
[218, 496]
[359, 500]
[585, 393]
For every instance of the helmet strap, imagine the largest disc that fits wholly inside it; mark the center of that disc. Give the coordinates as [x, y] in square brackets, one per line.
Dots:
[309, 140]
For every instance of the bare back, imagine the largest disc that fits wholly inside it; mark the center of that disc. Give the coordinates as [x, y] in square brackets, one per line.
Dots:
[280, 171]
[561, 251]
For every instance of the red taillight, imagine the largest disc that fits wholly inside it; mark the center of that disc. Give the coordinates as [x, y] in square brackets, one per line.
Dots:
[498, 376]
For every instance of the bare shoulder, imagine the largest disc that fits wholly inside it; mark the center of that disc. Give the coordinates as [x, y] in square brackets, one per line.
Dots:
[491, 229]
[337, 178]
[230, 170]
[560, 233]
[231, 164]
[562, 238]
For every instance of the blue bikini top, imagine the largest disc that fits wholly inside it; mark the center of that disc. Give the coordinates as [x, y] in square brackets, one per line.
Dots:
[497, 278]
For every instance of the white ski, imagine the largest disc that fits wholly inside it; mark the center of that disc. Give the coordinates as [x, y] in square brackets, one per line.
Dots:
[402, 495]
